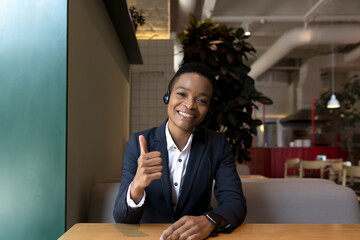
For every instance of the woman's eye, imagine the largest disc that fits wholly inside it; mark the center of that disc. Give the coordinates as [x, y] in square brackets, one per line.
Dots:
[203, 101]
[181, 94]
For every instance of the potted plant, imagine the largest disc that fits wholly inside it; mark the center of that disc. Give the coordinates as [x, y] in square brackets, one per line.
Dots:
[137, 17]
[348, 113]
[224, 50]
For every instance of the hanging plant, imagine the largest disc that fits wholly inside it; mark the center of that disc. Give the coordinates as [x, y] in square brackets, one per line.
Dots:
[137, 17]
[224, 50]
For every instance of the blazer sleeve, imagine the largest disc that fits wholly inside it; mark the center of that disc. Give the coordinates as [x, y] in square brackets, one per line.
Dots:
[228, 189]
[122, 212]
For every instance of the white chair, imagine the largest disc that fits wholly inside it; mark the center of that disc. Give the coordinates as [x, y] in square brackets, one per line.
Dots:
[292, 164]
[335, 173]
[312, 165]
[338, 171]
[351, 172]
[335, 167]
[330, 161]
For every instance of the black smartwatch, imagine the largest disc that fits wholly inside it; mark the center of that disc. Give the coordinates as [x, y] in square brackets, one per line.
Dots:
[214, 219]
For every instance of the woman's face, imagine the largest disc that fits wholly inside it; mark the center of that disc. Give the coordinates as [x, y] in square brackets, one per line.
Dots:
[189, 102]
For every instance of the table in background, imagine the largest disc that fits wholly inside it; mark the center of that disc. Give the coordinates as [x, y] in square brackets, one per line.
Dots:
[252, 176]
[110, 231]
[270, 162]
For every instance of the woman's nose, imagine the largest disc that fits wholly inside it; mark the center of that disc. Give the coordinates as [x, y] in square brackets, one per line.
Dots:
[190, 103]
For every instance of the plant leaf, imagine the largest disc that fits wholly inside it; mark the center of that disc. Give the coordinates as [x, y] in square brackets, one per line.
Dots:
[264, 100]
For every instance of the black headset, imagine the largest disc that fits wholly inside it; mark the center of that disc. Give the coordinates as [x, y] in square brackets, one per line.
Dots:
[166, 97]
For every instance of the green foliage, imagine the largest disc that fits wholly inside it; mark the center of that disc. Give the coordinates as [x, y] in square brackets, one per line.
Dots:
[224, 50]
[348, 113]
[137, 16]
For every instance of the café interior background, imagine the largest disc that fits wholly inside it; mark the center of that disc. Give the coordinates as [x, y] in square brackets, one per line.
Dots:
[70, 96]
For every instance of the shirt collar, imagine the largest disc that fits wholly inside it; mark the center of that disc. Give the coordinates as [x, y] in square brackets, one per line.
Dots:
[170, 142]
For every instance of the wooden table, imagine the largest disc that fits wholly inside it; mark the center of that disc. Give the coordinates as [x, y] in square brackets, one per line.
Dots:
[252, 176]
[109, 231]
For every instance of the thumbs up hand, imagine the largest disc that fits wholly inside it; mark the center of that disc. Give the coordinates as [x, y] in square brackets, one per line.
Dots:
[149, 169]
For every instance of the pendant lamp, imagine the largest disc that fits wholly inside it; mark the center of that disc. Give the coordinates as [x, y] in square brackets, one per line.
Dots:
[333, 102]
[247, 31]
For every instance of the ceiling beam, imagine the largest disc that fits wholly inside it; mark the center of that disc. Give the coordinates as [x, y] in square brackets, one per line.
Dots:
[345, 34]
[263, 19]
[311, 14]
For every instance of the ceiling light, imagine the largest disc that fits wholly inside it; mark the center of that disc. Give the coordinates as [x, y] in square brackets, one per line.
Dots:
[246, 28]
[333, 102]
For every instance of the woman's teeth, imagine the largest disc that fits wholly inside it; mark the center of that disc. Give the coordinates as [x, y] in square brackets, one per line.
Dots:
[186, 115]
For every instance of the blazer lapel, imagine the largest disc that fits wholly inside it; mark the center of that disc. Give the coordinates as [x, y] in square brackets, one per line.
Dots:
[196, 156]
[160, 143]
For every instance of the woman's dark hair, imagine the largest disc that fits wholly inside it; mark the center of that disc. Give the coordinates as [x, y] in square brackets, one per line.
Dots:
[193, 67]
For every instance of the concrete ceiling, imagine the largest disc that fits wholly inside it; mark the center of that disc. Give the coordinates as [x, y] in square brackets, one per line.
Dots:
[269, 20]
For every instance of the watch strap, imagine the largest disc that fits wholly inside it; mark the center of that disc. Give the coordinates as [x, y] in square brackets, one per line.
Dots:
[214, 219]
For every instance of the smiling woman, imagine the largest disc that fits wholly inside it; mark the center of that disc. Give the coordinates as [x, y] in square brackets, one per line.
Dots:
[188, 106]
[168, 171]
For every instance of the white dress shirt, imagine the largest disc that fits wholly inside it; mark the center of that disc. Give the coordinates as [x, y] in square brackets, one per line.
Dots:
[177, 167]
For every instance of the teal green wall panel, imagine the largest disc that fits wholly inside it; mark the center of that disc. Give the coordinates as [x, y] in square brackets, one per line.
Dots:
[32, 118]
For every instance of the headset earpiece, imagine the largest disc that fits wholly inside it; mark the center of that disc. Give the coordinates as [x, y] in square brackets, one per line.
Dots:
[166, 97]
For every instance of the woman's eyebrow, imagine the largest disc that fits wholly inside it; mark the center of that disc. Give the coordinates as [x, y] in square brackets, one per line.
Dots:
[184, 88]
[187, 89]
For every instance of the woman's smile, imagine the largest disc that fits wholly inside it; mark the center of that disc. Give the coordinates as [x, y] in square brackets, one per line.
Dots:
[186, 115]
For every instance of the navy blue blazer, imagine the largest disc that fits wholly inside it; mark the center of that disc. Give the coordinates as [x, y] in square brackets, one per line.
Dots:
[210, 158]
